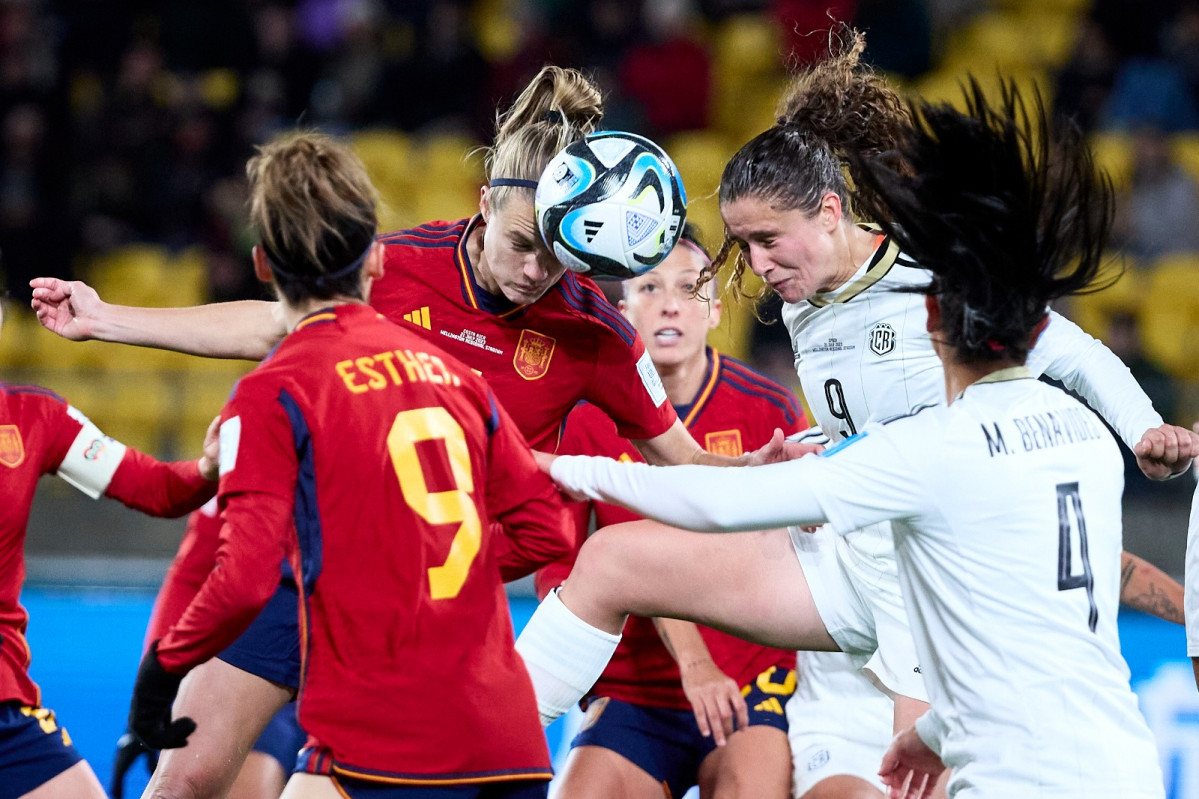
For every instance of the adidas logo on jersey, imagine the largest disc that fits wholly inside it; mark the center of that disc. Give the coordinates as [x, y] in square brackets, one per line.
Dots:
[771, 705]
[419, 317]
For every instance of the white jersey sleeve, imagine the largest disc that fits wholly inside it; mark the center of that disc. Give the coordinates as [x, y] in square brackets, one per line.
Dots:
[729, 499]
[1191, 579]
[92, 459]
[1085, 365]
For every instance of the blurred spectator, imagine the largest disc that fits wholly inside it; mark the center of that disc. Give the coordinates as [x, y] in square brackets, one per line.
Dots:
[1123, 338]
[898, 35]
[27, 213]
[1181, 46]
[805, 26]
[1083, 84]
[1159, 212]
[670, 74]
[1150, 91]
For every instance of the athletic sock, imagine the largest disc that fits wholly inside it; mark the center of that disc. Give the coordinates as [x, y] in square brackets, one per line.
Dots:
[564, 655]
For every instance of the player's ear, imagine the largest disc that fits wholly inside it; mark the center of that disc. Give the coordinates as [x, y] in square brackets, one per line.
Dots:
[714, 309]
[485, 202]
[262, 270]
[830, 210]
[374, 262]
[934, 313]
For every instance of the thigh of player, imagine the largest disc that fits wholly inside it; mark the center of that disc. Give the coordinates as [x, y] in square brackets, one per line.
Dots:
[231, 707]
[747, 584]
[631, 750]
[756, 761]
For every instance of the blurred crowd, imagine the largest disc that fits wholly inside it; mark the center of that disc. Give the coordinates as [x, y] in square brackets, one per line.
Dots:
[131, 122]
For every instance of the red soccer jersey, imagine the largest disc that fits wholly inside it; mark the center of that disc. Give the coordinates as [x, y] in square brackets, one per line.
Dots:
[377, 463]
[736, 411]
[539, 359]
[38, 432]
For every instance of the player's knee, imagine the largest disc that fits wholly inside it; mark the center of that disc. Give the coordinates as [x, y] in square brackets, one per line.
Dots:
[604, 558]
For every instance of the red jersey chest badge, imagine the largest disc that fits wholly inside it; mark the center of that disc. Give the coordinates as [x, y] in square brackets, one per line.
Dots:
[724, 442]
[12, 449]
[533, 353]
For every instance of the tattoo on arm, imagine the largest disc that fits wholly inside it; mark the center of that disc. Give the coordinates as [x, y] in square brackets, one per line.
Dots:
[1152, 591]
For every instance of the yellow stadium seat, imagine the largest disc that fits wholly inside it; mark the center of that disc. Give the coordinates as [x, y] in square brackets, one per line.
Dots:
[188, 272]
[1169, 316]
[700, 157]
[20, 325]
[992, 40]
[748, 75]
[1185, 147]
[135, 274]
[1113, 152]
[1093, 312]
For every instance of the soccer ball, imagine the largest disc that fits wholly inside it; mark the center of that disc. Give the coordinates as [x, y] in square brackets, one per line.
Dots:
[611, 205]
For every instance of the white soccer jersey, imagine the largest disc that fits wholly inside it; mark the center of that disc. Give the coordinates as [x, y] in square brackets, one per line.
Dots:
[1191, 579]
[863, 354]
[1007, 533]
[1006, 516]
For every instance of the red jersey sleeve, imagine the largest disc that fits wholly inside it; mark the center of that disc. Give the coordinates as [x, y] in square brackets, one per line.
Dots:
[257, 497]
[523, 501]
[627, 388]
[159, 488]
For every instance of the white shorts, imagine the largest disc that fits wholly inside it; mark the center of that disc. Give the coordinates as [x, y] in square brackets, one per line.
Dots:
[856, 591]
[838, 722]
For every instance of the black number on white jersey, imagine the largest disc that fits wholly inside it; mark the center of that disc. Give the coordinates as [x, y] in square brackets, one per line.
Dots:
[1068, 499]
[835, 395]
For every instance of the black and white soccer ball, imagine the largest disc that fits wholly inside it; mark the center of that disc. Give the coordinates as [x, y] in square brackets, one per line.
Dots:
[611, 205]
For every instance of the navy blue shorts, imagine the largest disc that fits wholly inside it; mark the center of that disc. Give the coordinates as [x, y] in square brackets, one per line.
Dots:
[362, 789]
[33, 749]
[667, 744]
[270, 647]
[283, 738]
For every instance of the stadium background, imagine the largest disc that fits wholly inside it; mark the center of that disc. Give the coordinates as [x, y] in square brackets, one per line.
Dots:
[124, 127]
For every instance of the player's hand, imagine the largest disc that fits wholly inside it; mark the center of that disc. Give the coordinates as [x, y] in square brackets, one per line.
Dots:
[1166, 451]
[715, 698]
[129, 749]
[69, 308]
[779, 449]
[544, 460]
[150, 711]
[910, 769]
[210, 461]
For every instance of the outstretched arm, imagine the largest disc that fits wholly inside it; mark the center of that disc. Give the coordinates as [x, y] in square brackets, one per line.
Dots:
[74, 310]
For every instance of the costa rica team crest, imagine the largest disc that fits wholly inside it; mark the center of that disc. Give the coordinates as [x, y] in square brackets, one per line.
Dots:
[533, 353]
[881, 338]
[12, 449]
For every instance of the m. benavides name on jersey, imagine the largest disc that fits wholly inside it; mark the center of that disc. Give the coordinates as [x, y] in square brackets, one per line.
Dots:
[1041, 431]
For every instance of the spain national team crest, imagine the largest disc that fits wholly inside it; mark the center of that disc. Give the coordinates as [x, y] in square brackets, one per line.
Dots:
[882, 338]
[533, 353]
[12, 449]
[724, 442]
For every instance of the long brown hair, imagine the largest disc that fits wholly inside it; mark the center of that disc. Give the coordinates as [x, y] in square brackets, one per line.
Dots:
[314, 210]
[829, 111]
